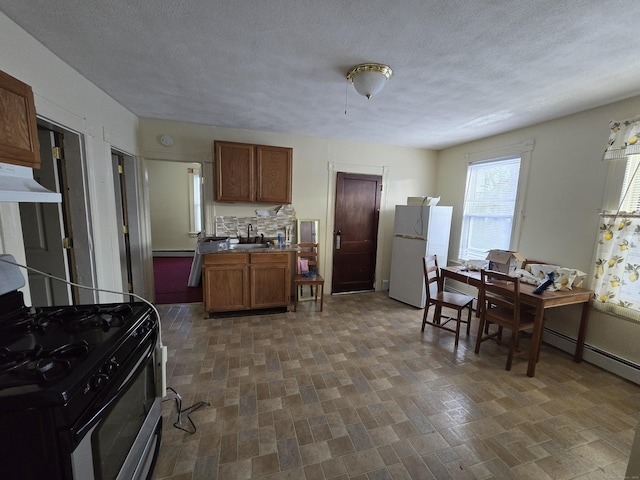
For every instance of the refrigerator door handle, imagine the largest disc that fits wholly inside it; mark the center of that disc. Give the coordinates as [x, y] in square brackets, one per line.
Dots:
[337, 240]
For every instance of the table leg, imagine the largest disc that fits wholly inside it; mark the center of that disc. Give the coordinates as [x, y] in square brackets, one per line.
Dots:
[582, 333]
[536, 338]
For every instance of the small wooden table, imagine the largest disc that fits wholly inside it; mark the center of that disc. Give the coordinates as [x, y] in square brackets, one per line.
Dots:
[541, 302]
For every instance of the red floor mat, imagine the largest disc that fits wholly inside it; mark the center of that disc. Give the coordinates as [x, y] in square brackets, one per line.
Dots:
[171, 275]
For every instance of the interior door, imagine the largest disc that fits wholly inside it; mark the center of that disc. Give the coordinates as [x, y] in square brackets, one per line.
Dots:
[125, 175]
[121, 206]
[357, 211]
[58, 236]
[43, 230]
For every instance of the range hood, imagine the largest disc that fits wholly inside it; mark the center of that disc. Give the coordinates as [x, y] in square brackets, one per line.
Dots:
[18, 185]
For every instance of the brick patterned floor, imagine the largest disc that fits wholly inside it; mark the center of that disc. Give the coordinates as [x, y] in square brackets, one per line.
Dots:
[358, 392]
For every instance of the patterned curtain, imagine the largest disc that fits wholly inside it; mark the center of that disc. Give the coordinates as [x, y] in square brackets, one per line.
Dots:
[624, 139]
[617, 269]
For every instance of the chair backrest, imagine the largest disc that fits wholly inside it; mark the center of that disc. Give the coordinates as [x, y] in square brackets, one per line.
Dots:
[431, 274]
[502, 293]
[309, 252]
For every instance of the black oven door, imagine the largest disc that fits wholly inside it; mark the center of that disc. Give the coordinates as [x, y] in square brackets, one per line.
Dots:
[120, 440]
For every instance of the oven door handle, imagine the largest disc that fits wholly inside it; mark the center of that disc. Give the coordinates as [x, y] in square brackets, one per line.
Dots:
[111, 395]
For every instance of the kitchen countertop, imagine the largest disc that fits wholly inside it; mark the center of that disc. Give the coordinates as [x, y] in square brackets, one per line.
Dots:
[286, 249]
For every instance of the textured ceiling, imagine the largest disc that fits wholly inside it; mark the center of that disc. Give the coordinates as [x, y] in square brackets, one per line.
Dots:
[463, 69]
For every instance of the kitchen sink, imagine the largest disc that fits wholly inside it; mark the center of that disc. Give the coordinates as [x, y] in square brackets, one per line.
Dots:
[247, 246]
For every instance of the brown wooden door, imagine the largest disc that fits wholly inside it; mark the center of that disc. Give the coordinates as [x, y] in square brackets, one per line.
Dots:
[355, 232]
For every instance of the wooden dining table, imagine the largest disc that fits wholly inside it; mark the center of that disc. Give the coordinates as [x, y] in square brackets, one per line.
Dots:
[541, 302]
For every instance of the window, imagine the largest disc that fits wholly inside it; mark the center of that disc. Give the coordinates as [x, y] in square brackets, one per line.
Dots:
[490, 201]
[630, 192]
[195, 200]
[617, 259]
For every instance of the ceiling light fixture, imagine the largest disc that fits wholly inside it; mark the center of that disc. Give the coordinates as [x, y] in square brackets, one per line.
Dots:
[369, 78]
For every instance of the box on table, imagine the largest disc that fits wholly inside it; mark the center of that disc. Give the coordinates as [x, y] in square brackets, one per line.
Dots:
[504, 261]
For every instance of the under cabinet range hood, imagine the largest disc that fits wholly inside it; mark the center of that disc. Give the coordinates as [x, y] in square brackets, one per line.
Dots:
[18, 185]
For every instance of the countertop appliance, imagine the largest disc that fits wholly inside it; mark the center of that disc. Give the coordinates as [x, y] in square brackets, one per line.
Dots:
[417, 231]
[77, 389]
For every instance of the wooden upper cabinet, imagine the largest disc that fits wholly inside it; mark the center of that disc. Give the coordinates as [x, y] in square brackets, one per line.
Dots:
[18, 129]
[273, 174]
[235, 165]
[252, 173]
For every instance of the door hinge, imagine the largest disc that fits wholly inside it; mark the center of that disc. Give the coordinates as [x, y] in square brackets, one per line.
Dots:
[67, 243]
[380, 187]
[120, 169]
[125, 229]
[57, 153]
[130, 287]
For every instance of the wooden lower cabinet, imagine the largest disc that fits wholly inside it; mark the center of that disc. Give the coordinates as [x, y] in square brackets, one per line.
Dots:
[245, 281]
[225, 282]
[270, 280]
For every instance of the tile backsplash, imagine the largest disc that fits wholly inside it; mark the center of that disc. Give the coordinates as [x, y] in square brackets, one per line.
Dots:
[265, 222]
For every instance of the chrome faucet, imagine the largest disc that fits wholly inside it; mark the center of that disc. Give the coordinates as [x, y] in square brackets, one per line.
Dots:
[249, 229]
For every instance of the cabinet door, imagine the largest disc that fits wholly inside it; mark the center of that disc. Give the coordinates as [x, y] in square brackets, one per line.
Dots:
[226, 287]
[273, 174]
[235, 171]
[270, 284]
[18, 130]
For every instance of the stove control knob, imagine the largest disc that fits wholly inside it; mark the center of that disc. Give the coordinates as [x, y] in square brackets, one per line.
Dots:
[144, 328]
[99, 381]
[110, 367]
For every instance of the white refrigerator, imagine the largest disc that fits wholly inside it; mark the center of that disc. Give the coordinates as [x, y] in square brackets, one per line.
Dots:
[417, 231]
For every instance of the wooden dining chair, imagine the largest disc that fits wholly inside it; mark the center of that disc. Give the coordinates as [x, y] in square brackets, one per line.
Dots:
[440, 299]
[499, 304]
[309, 253]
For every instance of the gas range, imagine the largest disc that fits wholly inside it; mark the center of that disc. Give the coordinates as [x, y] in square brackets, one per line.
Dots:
[49, 355]
[77, 389]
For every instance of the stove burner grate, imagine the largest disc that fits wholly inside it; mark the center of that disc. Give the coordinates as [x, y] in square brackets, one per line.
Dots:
[39, 364]
[72, 319]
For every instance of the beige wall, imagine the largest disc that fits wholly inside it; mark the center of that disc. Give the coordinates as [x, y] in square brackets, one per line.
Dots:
[566, 183]
[564, 192]
[169, 205]
[64, 97]
[406, 172]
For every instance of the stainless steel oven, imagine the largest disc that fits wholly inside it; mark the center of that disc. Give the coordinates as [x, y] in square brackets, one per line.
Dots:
[120, 438]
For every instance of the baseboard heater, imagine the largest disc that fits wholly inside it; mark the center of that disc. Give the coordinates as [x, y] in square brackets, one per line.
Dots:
[605, 360]
[594, 355]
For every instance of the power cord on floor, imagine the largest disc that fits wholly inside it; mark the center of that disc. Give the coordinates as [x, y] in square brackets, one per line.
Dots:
[175, 395]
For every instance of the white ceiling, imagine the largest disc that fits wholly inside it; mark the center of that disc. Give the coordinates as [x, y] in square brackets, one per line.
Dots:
[463, 69]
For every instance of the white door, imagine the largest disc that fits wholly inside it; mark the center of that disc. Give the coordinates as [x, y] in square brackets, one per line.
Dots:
[43, 229]
[125, 176]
